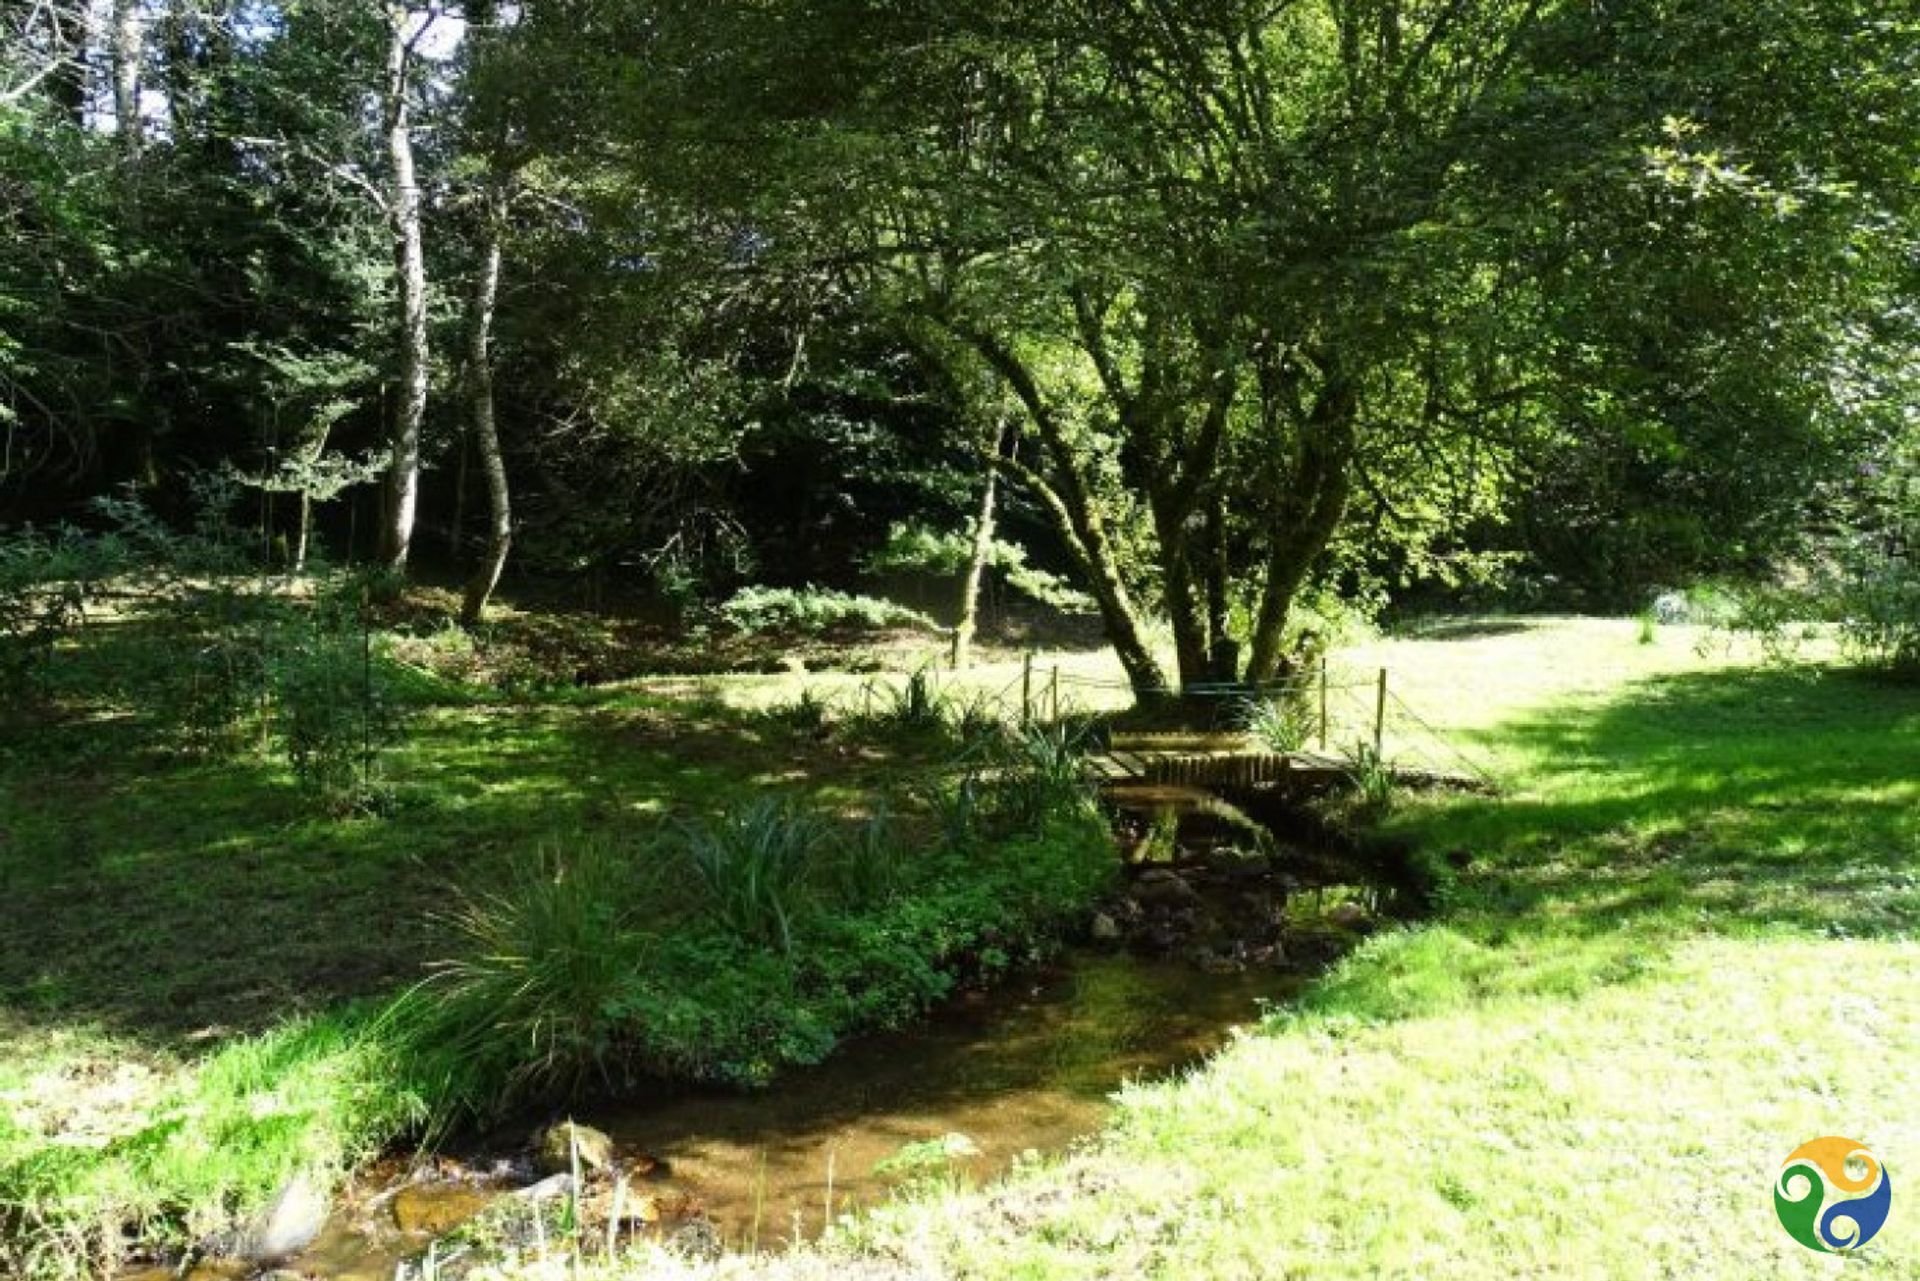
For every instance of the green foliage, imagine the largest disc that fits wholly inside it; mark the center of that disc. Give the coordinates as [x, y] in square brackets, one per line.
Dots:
[46, 582]
[1863, 581]
[1284, 721]
[915, 548]
[752, 983]
[1371, 778]
[1879, 560]
[520, 1011]
[335, 709]
[869, 867]
[200, 673]
[761, 938]
[752, 864]
[208, 658]
[1880, 615]
[812, 610]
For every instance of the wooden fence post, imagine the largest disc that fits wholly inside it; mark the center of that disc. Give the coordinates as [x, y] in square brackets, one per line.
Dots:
[1026, 690]
[1380, 716]
[1054, 693]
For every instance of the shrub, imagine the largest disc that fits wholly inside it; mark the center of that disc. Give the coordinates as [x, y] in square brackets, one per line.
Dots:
[811, 610]
[46, 583]
[1283, 723]
[198, 670]
[334, 711]
[522, 1010]
[917, 549]
[1880, 612]
[751, 864]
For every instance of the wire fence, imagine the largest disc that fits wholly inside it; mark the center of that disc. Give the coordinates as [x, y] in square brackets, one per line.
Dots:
[1329, 711]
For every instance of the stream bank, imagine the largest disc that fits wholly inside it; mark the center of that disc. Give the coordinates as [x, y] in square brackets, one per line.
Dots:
[1217, 916]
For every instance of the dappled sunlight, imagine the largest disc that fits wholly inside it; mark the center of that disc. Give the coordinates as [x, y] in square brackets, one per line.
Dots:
[181, 902]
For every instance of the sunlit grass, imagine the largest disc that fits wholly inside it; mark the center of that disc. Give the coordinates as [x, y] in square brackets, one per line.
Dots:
[1682, 946]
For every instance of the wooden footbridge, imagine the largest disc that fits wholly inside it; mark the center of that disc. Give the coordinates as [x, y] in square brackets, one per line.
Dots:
[1210, 760]
[1144, 761]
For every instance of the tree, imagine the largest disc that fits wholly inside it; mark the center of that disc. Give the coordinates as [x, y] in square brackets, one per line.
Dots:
[1257, 272]
[406, 28]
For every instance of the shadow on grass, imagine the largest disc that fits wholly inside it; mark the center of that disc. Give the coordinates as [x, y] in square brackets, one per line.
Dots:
[1464, 629]
[1715, 803]
[178, 902]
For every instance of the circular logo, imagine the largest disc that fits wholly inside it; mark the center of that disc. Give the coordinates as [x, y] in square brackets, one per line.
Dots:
[1833, 1195]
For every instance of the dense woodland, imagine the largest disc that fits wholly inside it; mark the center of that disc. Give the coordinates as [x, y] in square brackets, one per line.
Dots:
[1232, 303]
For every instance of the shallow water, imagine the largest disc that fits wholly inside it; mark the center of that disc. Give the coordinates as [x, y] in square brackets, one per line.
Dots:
[1030, 1066]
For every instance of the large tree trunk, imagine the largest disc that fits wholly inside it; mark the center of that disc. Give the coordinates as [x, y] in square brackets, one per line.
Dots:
[410, 272]
[486, 435]
[963, 631]
[1306, 522]
[1180, 477]
[126, 55]
[1069, 499]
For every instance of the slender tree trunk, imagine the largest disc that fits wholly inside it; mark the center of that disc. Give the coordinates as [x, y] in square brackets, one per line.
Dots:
[983, 528]
[126, 46]
[410, 271]
[312, 448]
[486, 435]
[177, 67]
[1223, 658]
[304, 533]
[457, 528]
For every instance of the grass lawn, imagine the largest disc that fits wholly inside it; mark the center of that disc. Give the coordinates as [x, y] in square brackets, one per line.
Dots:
[186, 941]
[1681, 946]
[1684, 946]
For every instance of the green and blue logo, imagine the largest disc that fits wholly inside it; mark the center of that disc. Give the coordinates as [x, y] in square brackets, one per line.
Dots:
[1833, 1195]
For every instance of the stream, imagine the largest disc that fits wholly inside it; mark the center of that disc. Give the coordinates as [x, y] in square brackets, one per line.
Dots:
[1192, 949]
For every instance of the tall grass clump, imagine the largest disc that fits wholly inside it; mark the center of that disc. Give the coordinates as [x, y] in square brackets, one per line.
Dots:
[1370, 775]
[1040, 773]
[868, 866]
[1282, 723]
[521, 1008]
[913, 707]
[752, 863]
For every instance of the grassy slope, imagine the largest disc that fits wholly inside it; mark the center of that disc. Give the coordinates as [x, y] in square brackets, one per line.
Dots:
[157, 915]
[1683, 948]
